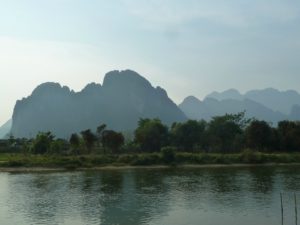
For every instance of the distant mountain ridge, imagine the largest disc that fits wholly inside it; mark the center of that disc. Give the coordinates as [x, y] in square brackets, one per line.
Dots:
[282, 101]
[120, 102]
[210, 107]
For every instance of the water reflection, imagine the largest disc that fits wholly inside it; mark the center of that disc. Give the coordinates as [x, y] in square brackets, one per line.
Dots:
[262, 180]
[148, 196]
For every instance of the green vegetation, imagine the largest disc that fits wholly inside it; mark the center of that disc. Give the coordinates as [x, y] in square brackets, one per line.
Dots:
[167, 157]
[228, 139]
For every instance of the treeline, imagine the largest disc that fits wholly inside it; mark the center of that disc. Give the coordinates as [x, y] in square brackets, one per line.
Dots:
[230, 133]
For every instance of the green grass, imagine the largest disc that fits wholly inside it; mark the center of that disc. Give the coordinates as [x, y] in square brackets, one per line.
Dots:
[140, 159]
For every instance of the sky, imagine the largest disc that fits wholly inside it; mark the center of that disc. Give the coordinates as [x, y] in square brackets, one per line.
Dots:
[190, 47]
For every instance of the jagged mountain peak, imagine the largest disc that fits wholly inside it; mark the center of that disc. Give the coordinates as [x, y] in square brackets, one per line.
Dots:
[50, 87]
[125, 78]
[191, 98]
[227, 94]
[91, 88]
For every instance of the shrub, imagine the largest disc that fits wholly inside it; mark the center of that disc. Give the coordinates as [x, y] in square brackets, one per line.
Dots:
[147, 159]
[127, 159]
[249, 156]
[168, 154]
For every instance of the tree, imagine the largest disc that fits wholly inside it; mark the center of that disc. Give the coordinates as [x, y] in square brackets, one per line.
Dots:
[188, 135]
[112, 140]
[259, 135]
[289, 135]
[75, 142]
[225, 132]
[89, 139]
[42, 143]
[151, 135]
[58, 146]
[100, 130]
[11, 140]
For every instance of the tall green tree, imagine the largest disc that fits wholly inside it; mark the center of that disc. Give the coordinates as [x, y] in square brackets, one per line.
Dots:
[151, 135]
[89, 139]
[289, 135]
[188, 135]
[99, 132]
[75, 142]
[42, 143]
[58, 146]
[226, 132]
[259, 135]
[112, 140]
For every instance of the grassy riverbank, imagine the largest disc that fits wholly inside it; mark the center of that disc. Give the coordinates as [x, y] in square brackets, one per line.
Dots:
[150, 159]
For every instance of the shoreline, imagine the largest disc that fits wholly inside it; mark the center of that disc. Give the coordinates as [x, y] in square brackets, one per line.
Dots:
[129, 167]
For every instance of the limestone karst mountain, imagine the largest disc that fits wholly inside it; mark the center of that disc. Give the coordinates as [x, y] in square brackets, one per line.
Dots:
[122, 99]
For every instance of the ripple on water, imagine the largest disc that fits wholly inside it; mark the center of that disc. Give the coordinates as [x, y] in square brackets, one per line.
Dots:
[161, 196]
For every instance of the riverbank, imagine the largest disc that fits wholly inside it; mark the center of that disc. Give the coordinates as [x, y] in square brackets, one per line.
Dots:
[15, 162]
[127, 167]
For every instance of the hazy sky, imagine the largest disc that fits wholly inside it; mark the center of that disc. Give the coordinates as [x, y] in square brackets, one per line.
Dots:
[187, 47]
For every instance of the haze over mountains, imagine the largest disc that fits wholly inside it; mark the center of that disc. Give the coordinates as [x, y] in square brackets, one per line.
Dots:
[125, 97]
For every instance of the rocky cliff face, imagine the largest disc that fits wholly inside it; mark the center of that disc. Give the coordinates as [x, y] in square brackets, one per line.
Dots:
[120, 102]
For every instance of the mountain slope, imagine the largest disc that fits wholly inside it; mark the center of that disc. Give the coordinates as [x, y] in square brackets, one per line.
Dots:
[295, 113]
[120, 102]
[282, 101]
[5, 129]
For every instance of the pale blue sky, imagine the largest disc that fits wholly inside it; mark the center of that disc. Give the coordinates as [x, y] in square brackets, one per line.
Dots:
[187, 47]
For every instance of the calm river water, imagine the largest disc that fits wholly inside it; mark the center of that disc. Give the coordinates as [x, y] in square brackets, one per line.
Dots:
[206, 196]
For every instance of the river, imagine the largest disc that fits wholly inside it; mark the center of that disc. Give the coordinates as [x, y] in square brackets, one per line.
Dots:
[174, 196]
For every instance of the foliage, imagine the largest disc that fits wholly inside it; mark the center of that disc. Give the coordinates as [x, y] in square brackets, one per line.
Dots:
[42, 143]
[168, 154]
[144, 159]
[224, 131]
[74, 140]
[188, 135]
[147, 159]
[100, 130]
[89, 139]
[259, 135]
[58, 146]
[151, 134]
[289, 135]
[99, 133]
[112, 140]
[196, 142]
